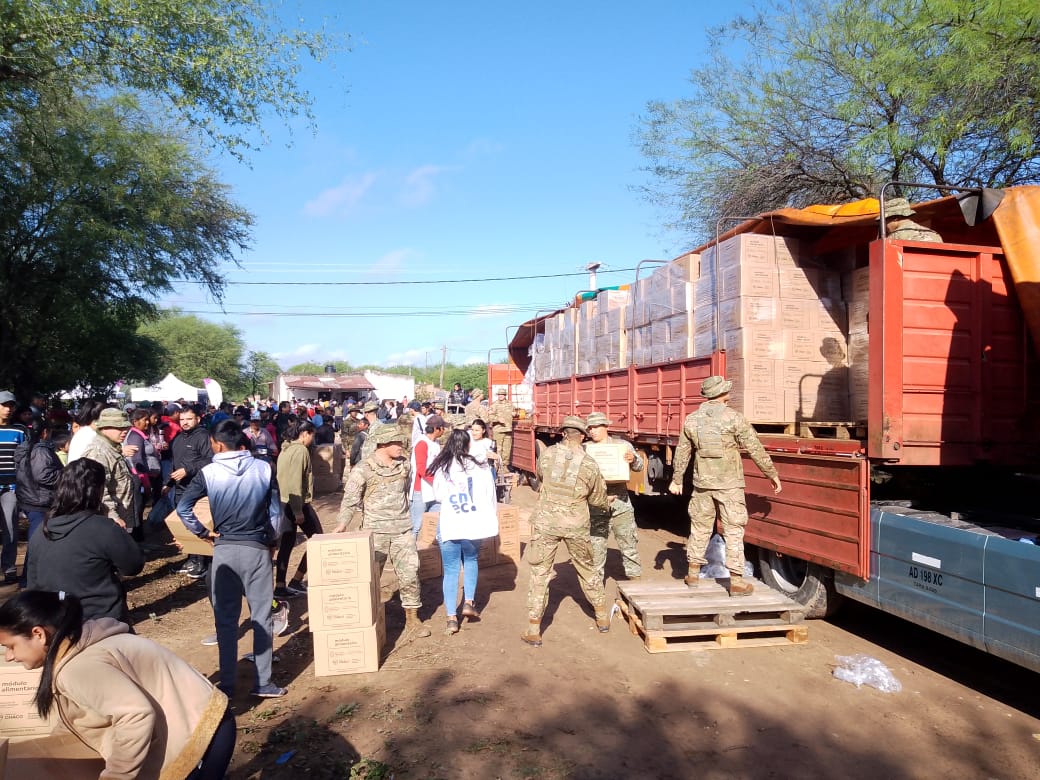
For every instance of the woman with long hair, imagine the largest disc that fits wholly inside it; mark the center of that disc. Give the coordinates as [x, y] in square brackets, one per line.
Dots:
[143, 709]
[80, 551]
[465, 489]
[296, 489]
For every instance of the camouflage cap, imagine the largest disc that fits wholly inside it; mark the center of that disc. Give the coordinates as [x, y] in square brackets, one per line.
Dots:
[501, 392]
[597, 418]
[898, 207]
[388, 434]
[714, 386]
[575, 422]
[371, 406]
[112, 418]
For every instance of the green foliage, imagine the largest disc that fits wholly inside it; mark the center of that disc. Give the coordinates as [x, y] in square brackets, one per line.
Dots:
[830, 99]
[195, 349]
[311, 367]
[260, 369]
[99, 210]
[221, 65]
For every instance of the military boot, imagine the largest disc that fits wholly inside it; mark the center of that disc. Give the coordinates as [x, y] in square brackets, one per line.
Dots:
[693, 575]
[603, 622]
[737, 586]
[533, 635]
[413, 625]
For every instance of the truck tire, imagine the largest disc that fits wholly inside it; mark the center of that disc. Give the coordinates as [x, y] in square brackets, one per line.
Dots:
[807, 583]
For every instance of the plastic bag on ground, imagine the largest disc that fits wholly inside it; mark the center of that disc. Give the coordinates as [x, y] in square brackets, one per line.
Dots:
[716, 554]
[863, 670]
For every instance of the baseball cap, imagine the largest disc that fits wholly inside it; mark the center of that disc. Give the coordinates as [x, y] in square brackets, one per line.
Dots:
[7, 397]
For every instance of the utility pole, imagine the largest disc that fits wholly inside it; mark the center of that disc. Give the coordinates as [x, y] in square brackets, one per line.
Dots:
[592, 268]
[444, 359]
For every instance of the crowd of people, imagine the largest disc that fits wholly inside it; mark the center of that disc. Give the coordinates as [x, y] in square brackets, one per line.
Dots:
[84, 483]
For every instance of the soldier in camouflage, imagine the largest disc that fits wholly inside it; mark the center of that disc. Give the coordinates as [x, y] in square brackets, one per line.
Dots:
[619, 515]
[571, 484]
[379, 487]
[713, 435]
[501, 418]
[475, 408]
[405, 421]
[898, 227]
[347, 433]
[371, 410]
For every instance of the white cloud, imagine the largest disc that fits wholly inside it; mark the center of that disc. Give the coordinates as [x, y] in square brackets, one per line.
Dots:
[474, 360]
[341, 200]
[419, 185]
[413, 357]
[302, 351]
[481, 147]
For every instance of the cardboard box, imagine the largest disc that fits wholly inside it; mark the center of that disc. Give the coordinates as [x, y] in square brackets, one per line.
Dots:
[759, 405]
[52, 757]
[755, 373]
[430, 564]
[338, 559]
[428, 530]
[327, 468]
[349, 650]
[747, 249]
[748, 343]
[747, 311]
[352, 605]
[18, 717]
[610, 457]
[488, 554]
[189, 542]
[815, 345]
[796, 373]
[855, 285]
[799, 405]
[809, 283]
[704, 344]
[754, 280]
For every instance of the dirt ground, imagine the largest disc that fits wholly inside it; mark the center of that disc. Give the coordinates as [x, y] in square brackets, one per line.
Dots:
[481, 704]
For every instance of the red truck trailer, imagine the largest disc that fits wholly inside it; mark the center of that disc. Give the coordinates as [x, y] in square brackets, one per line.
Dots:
[951, 396]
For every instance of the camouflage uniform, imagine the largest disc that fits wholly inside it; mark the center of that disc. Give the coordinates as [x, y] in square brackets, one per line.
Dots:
[381, 492]
[620, 518]
[347, 433]
[405, 422]
[713, 435]
[908, 230]
[501, 417]
[571, 483]
[475, 409]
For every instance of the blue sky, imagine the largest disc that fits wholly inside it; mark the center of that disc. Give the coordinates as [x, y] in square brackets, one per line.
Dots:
[454, 140]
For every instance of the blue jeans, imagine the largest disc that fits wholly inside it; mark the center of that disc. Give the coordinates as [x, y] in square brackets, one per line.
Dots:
[419, 507]
[456, 554]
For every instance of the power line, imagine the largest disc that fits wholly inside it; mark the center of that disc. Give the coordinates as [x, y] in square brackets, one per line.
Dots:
[413, 281]
[363, 315]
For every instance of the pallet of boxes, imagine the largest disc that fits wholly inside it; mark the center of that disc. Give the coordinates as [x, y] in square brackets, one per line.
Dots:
[345, 611]
[501, 550]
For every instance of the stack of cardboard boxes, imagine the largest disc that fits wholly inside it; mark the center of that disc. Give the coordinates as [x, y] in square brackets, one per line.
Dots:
[497, 551]
[343, 604]
[327, 468]
[856, 286]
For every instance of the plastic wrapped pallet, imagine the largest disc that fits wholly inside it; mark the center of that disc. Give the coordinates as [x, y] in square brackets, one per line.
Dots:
[611, 300]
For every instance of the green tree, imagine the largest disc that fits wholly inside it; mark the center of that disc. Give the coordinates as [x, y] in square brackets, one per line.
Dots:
[221, 65]
[311, 367]
[99, 211]
[260, 369]
[826, 100]
[194, 349]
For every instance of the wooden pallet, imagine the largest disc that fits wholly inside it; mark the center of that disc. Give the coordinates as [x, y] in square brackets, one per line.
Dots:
[810, 429]
[672, 617]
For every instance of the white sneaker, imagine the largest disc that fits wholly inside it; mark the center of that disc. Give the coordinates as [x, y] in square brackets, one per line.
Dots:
[281, 618]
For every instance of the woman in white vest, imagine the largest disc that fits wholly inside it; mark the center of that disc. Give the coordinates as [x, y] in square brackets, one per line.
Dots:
[465, 489]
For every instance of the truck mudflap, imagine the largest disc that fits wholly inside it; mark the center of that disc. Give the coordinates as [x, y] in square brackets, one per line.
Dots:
[822, 515]
[957, 579]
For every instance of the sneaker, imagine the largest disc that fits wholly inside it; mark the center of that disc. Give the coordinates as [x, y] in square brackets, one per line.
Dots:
[10, 576]
[280, 618]
[209, 640]
[251, 658]
[196, 573]
[298, 587]
[269, 691]
[187, 568]
[285, 592]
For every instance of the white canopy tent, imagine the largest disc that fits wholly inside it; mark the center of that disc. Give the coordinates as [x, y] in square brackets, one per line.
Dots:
[169, 389]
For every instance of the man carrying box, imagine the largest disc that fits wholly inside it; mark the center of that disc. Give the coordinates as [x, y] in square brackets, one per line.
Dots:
[247, 520]
[380, 488]
[619, 517]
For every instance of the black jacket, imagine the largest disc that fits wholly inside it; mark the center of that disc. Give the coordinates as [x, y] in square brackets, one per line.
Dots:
[191, 451]
[38, 469]
[85, 556]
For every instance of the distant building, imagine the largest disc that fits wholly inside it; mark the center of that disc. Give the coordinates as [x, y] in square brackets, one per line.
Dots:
[342, 387]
